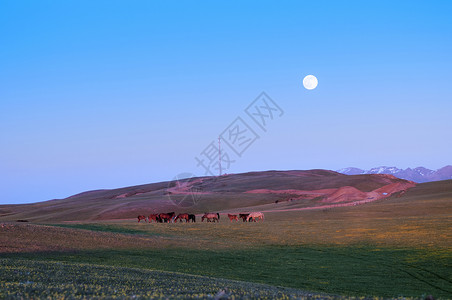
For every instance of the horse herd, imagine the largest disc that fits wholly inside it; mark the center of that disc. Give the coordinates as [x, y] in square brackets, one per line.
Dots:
[209, 217]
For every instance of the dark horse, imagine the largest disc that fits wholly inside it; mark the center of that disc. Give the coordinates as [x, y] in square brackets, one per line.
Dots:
[244, 217]
[141, 217]
[186, 217]
[192, 218]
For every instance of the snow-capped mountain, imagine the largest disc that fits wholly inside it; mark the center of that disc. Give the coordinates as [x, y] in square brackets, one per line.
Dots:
[419, 174]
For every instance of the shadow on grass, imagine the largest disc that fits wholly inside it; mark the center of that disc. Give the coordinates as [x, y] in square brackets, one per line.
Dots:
[357, 271]
[108, 228]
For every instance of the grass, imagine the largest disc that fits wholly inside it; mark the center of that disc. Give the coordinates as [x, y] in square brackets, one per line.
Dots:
[24, 279]
[356, 271]
[358, 251]
[399, 247]
[112, 228]
[340, 227]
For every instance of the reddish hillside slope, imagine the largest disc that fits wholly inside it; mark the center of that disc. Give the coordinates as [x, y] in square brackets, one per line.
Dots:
[234, 192]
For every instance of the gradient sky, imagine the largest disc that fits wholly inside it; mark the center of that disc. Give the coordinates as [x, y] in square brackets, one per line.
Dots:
[106, 94]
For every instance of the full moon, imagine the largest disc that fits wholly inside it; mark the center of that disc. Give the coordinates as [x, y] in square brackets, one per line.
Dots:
[310, 82]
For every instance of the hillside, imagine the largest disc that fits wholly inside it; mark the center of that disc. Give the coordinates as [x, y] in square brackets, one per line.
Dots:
[267, 190]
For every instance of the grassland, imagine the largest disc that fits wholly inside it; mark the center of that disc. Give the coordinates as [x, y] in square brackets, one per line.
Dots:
[392, 248]
[29, 279]
[355, 271]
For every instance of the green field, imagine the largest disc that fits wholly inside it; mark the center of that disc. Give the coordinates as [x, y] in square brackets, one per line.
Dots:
[353, 260]
[31, 279]
[354, 271]
[392, 248]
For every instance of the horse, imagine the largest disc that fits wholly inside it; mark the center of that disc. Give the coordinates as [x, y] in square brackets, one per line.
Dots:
[211, 217]
[233, 217]
[254, 216]
[154, 217]
[192, 218]
[244, 217]
[167, 217]
[172, 215]
[164, 218]
[141, 217]
[180, 217]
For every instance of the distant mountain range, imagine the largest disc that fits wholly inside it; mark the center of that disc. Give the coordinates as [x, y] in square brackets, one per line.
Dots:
[419, 174]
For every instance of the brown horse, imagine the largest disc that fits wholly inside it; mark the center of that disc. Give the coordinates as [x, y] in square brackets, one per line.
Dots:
[211, 217]
[255, 216]
[233, 217]
[141, 217]
[244, 217]
[154, 217]
[167, 218]
[182, 217]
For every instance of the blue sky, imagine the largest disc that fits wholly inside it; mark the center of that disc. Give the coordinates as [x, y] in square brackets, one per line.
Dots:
[105, 94]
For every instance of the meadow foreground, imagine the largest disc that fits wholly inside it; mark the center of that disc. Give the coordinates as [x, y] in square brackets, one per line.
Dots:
[392, 248]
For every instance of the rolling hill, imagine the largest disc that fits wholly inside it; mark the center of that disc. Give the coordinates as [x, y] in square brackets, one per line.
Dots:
[252, 191]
